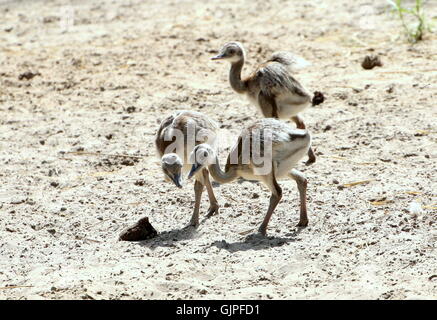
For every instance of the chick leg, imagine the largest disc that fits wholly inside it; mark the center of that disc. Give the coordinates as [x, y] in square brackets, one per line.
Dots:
[302, 187]
[274, 200]
[198, 189]
[214, 207]
[301, 125]
[299, 122]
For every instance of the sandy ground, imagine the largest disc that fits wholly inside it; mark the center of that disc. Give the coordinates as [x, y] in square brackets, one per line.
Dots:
[111, 70]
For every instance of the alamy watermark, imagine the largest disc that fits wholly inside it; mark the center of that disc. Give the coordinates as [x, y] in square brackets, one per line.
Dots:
[253, 147]
[366, 17]
[66, 18]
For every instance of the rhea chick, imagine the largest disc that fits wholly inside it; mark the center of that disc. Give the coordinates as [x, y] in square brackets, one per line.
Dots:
[282, 147]
[271, 87]
[176, 138]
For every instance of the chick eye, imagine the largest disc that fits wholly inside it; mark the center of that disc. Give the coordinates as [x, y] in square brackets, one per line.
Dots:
[231, 51]
[205, 154]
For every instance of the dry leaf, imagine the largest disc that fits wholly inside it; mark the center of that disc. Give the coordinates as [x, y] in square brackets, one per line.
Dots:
[245, 232]
[381, 202]
[351, 184]
[432, 207]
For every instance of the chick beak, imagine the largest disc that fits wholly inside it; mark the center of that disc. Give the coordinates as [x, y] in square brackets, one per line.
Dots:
[193, 170]
[177, 180]
[218, 57]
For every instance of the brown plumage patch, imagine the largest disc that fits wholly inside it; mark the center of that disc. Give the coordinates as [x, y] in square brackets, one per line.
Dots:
[268, 105]
[160, 143]
[180, 120]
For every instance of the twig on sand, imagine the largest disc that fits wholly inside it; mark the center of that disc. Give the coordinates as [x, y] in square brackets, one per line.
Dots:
[425, 132]
[87, 239]
[413, 192]
[432, 207]
[381, 202]
[410, 264]
[351, 184]
[245, 232]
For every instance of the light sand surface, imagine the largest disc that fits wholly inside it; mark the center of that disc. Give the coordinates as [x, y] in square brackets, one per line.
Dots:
[114, 69]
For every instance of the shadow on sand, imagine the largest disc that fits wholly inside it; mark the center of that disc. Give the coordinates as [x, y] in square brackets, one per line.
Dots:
[168, 238]
[257, 241]
[254, 241]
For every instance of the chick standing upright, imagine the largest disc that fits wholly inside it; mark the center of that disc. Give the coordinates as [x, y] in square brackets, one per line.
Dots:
[271, 87]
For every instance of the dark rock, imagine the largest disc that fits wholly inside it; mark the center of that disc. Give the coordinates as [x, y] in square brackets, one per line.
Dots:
[318, 98]
[370, 62]
[128, 162]
[139, 183]
[50, 19]
[131, 109]
[142, 230]
[28, 75]
[327, 128]
[410, 155]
